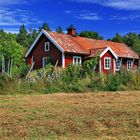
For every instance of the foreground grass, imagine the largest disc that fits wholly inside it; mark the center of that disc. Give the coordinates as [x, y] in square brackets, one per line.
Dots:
[105, 116]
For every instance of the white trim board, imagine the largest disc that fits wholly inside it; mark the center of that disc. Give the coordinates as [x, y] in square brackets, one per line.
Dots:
[77, 57]
[106, 50]
[63, 60]
[49, 37]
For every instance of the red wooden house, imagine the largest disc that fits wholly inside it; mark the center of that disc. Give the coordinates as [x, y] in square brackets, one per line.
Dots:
[71, 49]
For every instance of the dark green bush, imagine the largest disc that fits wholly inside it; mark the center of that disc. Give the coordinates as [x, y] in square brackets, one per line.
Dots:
[71, 73]
[112, 83]
[96, 84]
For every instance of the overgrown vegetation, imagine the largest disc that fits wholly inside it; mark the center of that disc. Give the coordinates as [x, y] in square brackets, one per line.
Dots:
[70, 80]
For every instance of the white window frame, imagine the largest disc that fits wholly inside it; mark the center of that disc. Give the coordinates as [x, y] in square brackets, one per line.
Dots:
[118, 67]
[43, 65]
[128, 65]
[107, 58]
[47, 46]
[77, 57]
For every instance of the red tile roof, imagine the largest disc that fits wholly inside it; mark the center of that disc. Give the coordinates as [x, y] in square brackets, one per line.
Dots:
[84, 45]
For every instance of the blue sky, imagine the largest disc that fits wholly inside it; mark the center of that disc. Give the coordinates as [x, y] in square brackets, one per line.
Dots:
[104, 16]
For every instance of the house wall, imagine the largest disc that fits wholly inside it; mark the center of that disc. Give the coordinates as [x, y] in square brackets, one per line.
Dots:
[39, 52]
[103, 70]
[135, 64]
[68, 59]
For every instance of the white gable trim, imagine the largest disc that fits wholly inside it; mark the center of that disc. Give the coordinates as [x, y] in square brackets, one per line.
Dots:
[49, 37]
[106, 50]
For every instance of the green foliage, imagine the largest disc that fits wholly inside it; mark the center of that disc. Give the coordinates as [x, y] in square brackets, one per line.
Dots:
[95, 84]
[32, 35]
[22, 37]
[130, 39]
[12, 53]
[117, 38]
[59, 30]
[91, 34]
[72, 73]
[45, 26]
[89, 66]
[112, 83]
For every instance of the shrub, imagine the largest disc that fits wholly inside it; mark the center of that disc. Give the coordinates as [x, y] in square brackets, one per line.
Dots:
[89, 65]
[95, 84]
[112, 83]
[72, 73]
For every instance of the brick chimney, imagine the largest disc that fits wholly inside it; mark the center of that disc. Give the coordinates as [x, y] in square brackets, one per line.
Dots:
[71, 31]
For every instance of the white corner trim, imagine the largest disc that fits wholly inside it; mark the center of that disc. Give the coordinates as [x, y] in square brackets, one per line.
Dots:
[106, 50]
[49, 37]
[114, 61]
[100, 67]
[63, 60]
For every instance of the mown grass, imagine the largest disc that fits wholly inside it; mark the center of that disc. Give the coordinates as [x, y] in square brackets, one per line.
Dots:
[105, 116]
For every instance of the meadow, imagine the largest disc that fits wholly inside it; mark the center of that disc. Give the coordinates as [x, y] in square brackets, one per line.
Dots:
[71, 116]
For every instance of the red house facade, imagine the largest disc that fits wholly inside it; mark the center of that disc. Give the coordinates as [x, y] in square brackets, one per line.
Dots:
[69, 49]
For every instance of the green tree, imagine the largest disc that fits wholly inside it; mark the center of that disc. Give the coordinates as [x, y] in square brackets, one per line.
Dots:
[45, 26]
[131, 39]
[59, 30]
[117, 38]
[32, 35]
[91, 34]
[22, 37]
[11, 53]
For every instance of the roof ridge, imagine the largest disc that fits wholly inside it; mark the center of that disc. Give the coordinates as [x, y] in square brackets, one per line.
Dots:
[87, 38]
[86, 44]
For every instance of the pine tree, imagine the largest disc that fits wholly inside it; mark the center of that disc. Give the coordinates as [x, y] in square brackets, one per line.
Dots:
[22, 37]
[32, 35]
[45, 26]
[59, 30]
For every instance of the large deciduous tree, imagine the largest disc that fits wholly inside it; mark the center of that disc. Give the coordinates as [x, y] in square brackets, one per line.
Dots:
[11, 54]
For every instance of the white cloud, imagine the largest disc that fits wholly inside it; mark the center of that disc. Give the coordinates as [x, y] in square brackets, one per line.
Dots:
[9, 2]
[84, 15]
[131, 17]
[16, 17]
[118, 4]
[88, 16]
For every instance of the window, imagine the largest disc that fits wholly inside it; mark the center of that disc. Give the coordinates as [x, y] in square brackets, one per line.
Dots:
[77, 60]
[47, 46]
[44, 62]
[129, 64]
[107, 63]
[118, 65]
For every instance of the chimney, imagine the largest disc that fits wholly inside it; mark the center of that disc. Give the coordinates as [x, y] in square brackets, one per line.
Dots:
[71, 31]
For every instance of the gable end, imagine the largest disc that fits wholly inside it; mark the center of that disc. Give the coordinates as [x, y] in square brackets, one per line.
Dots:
[49, 37]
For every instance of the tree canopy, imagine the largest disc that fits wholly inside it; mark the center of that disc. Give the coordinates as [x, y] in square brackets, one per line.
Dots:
[11, 52]
[59, 30]
[130, 39]
[91, 34]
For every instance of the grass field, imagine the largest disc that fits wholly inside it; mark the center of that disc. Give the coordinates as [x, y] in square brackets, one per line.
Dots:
[89, 116]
